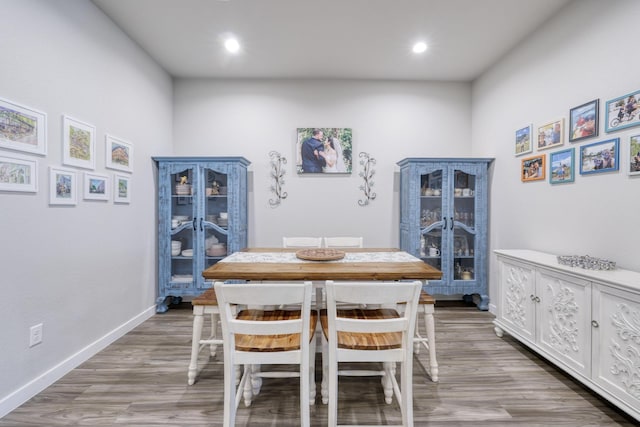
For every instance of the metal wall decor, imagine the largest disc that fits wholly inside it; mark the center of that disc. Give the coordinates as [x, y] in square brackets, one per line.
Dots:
[367, 173]
[277, 173]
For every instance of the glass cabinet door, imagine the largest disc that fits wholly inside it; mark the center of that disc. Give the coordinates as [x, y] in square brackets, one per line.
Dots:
[183, 230]
[464, 230]
[216, 217]
[431, 218]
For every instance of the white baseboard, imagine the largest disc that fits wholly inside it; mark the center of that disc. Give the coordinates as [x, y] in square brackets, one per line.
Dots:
[35, 386]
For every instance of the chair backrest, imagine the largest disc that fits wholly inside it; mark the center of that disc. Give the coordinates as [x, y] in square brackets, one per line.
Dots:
[302, 242]
[343, 242]
[231, 295]
[385, 294]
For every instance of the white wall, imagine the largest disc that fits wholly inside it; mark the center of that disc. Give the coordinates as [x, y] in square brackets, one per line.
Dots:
[583, 53]
[390, 121]
[82, 271]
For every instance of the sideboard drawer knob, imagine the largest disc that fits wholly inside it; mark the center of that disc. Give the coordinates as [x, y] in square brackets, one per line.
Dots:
[595, 323]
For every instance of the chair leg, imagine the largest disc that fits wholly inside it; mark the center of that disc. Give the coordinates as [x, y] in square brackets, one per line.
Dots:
[431, 337]
[256, 380]
[230, 402]
[406, 401]
[214, 333]
[247, 389]
[312, 371]
[304, 392]
[324, 387]
[387, 382]
[333, 393]
[198, 321]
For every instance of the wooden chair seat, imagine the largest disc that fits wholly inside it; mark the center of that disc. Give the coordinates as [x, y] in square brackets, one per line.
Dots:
[270, 343]
[364, 340]
[208, 297]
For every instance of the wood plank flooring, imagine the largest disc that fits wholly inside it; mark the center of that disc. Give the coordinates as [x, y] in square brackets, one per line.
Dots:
[141, 380]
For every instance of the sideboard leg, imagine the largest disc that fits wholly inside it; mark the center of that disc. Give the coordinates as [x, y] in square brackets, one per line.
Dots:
[498, 330]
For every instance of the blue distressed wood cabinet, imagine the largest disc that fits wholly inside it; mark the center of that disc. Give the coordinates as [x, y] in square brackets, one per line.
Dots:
[443, 221]
[202, 217]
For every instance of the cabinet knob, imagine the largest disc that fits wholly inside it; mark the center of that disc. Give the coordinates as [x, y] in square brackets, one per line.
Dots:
[533, 297]
[445, 223]
[537, 299]
[595, 324]
[451, 223]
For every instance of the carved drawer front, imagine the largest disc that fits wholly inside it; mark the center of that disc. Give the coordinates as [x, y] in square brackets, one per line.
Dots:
[564, 319]
[616, 364]
[518, 298]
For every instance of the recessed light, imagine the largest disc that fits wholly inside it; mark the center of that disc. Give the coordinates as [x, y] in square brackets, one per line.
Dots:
[232, 45]
[419, 47]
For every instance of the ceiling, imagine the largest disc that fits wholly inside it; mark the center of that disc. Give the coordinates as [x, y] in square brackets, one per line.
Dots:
[325, 39]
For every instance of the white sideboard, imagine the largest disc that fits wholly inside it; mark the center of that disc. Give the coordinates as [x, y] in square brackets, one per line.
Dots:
[584, 321]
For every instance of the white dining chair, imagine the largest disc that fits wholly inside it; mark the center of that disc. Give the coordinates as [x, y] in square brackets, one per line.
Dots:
[370, 335]
[302, 242]
[257, 337]
[343, 242]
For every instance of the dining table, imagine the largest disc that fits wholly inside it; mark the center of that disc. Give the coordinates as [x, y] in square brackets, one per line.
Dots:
[261, 264]
[272, 264]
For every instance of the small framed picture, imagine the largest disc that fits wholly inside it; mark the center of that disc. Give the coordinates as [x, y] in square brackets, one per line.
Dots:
[600, 157]
[523, 140]
[121, 188]
[18, 173]
[562, 166]
[622, 112]
[534, 168]
[96, 187]
[583, 121]
[634, 155]
[551, 135]
[22, 128]
[78, 143]
[63, 186]
[119, 154]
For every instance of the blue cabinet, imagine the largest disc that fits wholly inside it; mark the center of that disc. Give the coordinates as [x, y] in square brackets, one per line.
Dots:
[443, 221]
[202, 217]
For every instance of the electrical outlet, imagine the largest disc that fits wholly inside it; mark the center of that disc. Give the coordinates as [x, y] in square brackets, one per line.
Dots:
[35, 335]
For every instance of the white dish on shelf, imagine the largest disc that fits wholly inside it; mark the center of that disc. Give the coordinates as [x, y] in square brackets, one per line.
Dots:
[187, 252]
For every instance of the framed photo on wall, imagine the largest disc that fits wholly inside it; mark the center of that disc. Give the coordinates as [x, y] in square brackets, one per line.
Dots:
[533, 168]
[523, 140]
[324, 150]
[562, 166]
[22, 128]
[18, 173]
[63, 186]
[583, 121]
[622, 112]
[119, 154]
[600, 157]
[96, 187]
[121, 188]
[551, 135]
[634, 155]
[78, 143]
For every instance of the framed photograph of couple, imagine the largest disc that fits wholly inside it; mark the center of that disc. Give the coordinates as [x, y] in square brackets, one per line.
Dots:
[600, 157]
[324, 151]
[533, 168]
[562, 166]
[583, 121]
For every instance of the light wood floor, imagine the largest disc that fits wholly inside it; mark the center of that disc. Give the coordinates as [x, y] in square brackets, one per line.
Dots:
[141, 380]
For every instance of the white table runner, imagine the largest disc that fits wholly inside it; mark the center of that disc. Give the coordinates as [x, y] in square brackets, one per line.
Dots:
[290, 257]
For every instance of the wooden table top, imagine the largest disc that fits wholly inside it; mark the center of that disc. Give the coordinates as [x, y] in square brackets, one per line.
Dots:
[324, 270]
